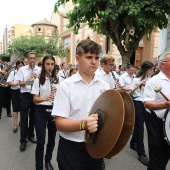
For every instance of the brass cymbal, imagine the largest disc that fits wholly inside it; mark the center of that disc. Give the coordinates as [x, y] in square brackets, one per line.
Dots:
[111, 104]
[128, 124]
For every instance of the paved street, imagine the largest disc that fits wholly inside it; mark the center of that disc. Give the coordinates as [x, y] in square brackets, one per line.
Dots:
[12, 159]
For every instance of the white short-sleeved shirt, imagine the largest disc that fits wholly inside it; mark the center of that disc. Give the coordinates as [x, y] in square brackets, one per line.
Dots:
[125, 80]
[42, 90]
[12, 78]
[62, 75]
[74, 99]
[24, 73]
[106, 77]
[138, 93]
[150, 95]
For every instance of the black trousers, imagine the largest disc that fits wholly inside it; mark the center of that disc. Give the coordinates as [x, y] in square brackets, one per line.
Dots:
[15, 96]
[74, 156]
[159, 150]
[44, 119]
[27, 107]
[5, 99]
[138, 132]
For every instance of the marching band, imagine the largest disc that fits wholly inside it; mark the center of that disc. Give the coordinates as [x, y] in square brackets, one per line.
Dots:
[60, 98]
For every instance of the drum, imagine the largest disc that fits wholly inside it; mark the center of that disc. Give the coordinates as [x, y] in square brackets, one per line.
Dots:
[166, 126]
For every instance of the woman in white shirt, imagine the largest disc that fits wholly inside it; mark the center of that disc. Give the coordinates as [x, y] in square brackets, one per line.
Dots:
[138, 83]
[43, 91]
[15, 93]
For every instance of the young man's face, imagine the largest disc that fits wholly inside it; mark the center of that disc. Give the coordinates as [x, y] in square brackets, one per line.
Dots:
[130, 71]
[88, 63]
[108, 67]
[32, 59]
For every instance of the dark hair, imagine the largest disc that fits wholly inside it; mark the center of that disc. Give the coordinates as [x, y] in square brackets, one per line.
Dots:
[71, 69]
[62, 64]
[86, 46]
[42, 75]
[146, 65]
[39, 64]
[130, 66]
[57, 67]
[19, 62]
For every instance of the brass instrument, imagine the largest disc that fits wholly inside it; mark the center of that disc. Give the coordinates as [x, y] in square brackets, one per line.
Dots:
[116, 116]
[9, 67]
[30, 82]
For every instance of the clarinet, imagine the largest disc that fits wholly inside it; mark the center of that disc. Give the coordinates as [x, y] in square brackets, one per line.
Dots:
[51, 83]
[116, 86]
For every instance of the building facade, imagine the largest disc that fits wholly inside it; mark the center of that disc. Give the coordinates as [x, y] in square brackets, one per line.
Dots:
[147, 49]
[18, 30]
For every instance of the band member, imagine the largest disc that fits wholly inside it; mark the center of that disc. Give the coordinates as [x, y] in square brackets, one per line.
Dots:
[73, 70]
[138, 134]
[72, 107]
[43, 95]
[63, 73]
[105, 72]
[15, 93]
[159, 150]
[126, 78]
[156, 70]
[26, 76]
[5, 94]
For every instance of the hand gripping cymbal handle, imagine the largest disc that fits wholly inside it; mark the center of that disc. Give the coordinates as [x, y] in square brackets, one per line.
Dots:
[100, 124]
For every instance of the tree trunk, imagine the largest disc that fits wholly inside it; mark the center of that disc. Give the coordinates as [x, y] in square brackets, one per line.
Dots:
[125, 60]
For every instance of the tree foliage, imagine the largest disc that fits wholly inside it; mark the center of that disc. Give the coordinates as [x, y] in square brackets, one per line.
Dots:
[39, 44]
[124, 21]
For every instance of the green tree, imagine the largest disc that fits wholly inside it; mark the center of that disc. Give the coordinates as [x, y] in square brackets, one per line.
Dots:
[39, 44]
[124, 21]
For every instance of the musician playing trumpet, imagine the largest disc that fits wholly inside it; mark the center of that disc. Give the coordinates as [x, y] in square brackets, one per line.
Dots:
[26, 76]
[138, 84]
[159, 150]
[43, 92]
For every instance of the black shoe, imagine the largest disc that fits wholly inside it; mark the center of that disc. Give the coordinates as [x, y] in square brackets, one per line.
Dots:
[23, 146]
[144, 159]
[48, 166]
[32, 139]
[9, 114]
[103, 165]
[134, 147]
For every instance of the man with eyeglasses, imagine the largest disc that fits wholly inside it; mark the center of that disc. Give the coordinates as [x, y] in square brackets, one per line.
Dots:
[157, 106]
[105, 72]
[26, 76]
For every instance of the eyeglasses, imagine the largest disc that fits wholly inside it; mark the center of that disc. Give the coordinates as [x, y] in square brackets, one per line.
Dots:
[111, 65]
[32, 58]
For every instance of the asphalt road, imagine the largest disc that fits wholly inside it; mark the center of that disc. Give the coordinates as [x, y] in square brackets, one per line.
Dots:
[12, 159]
